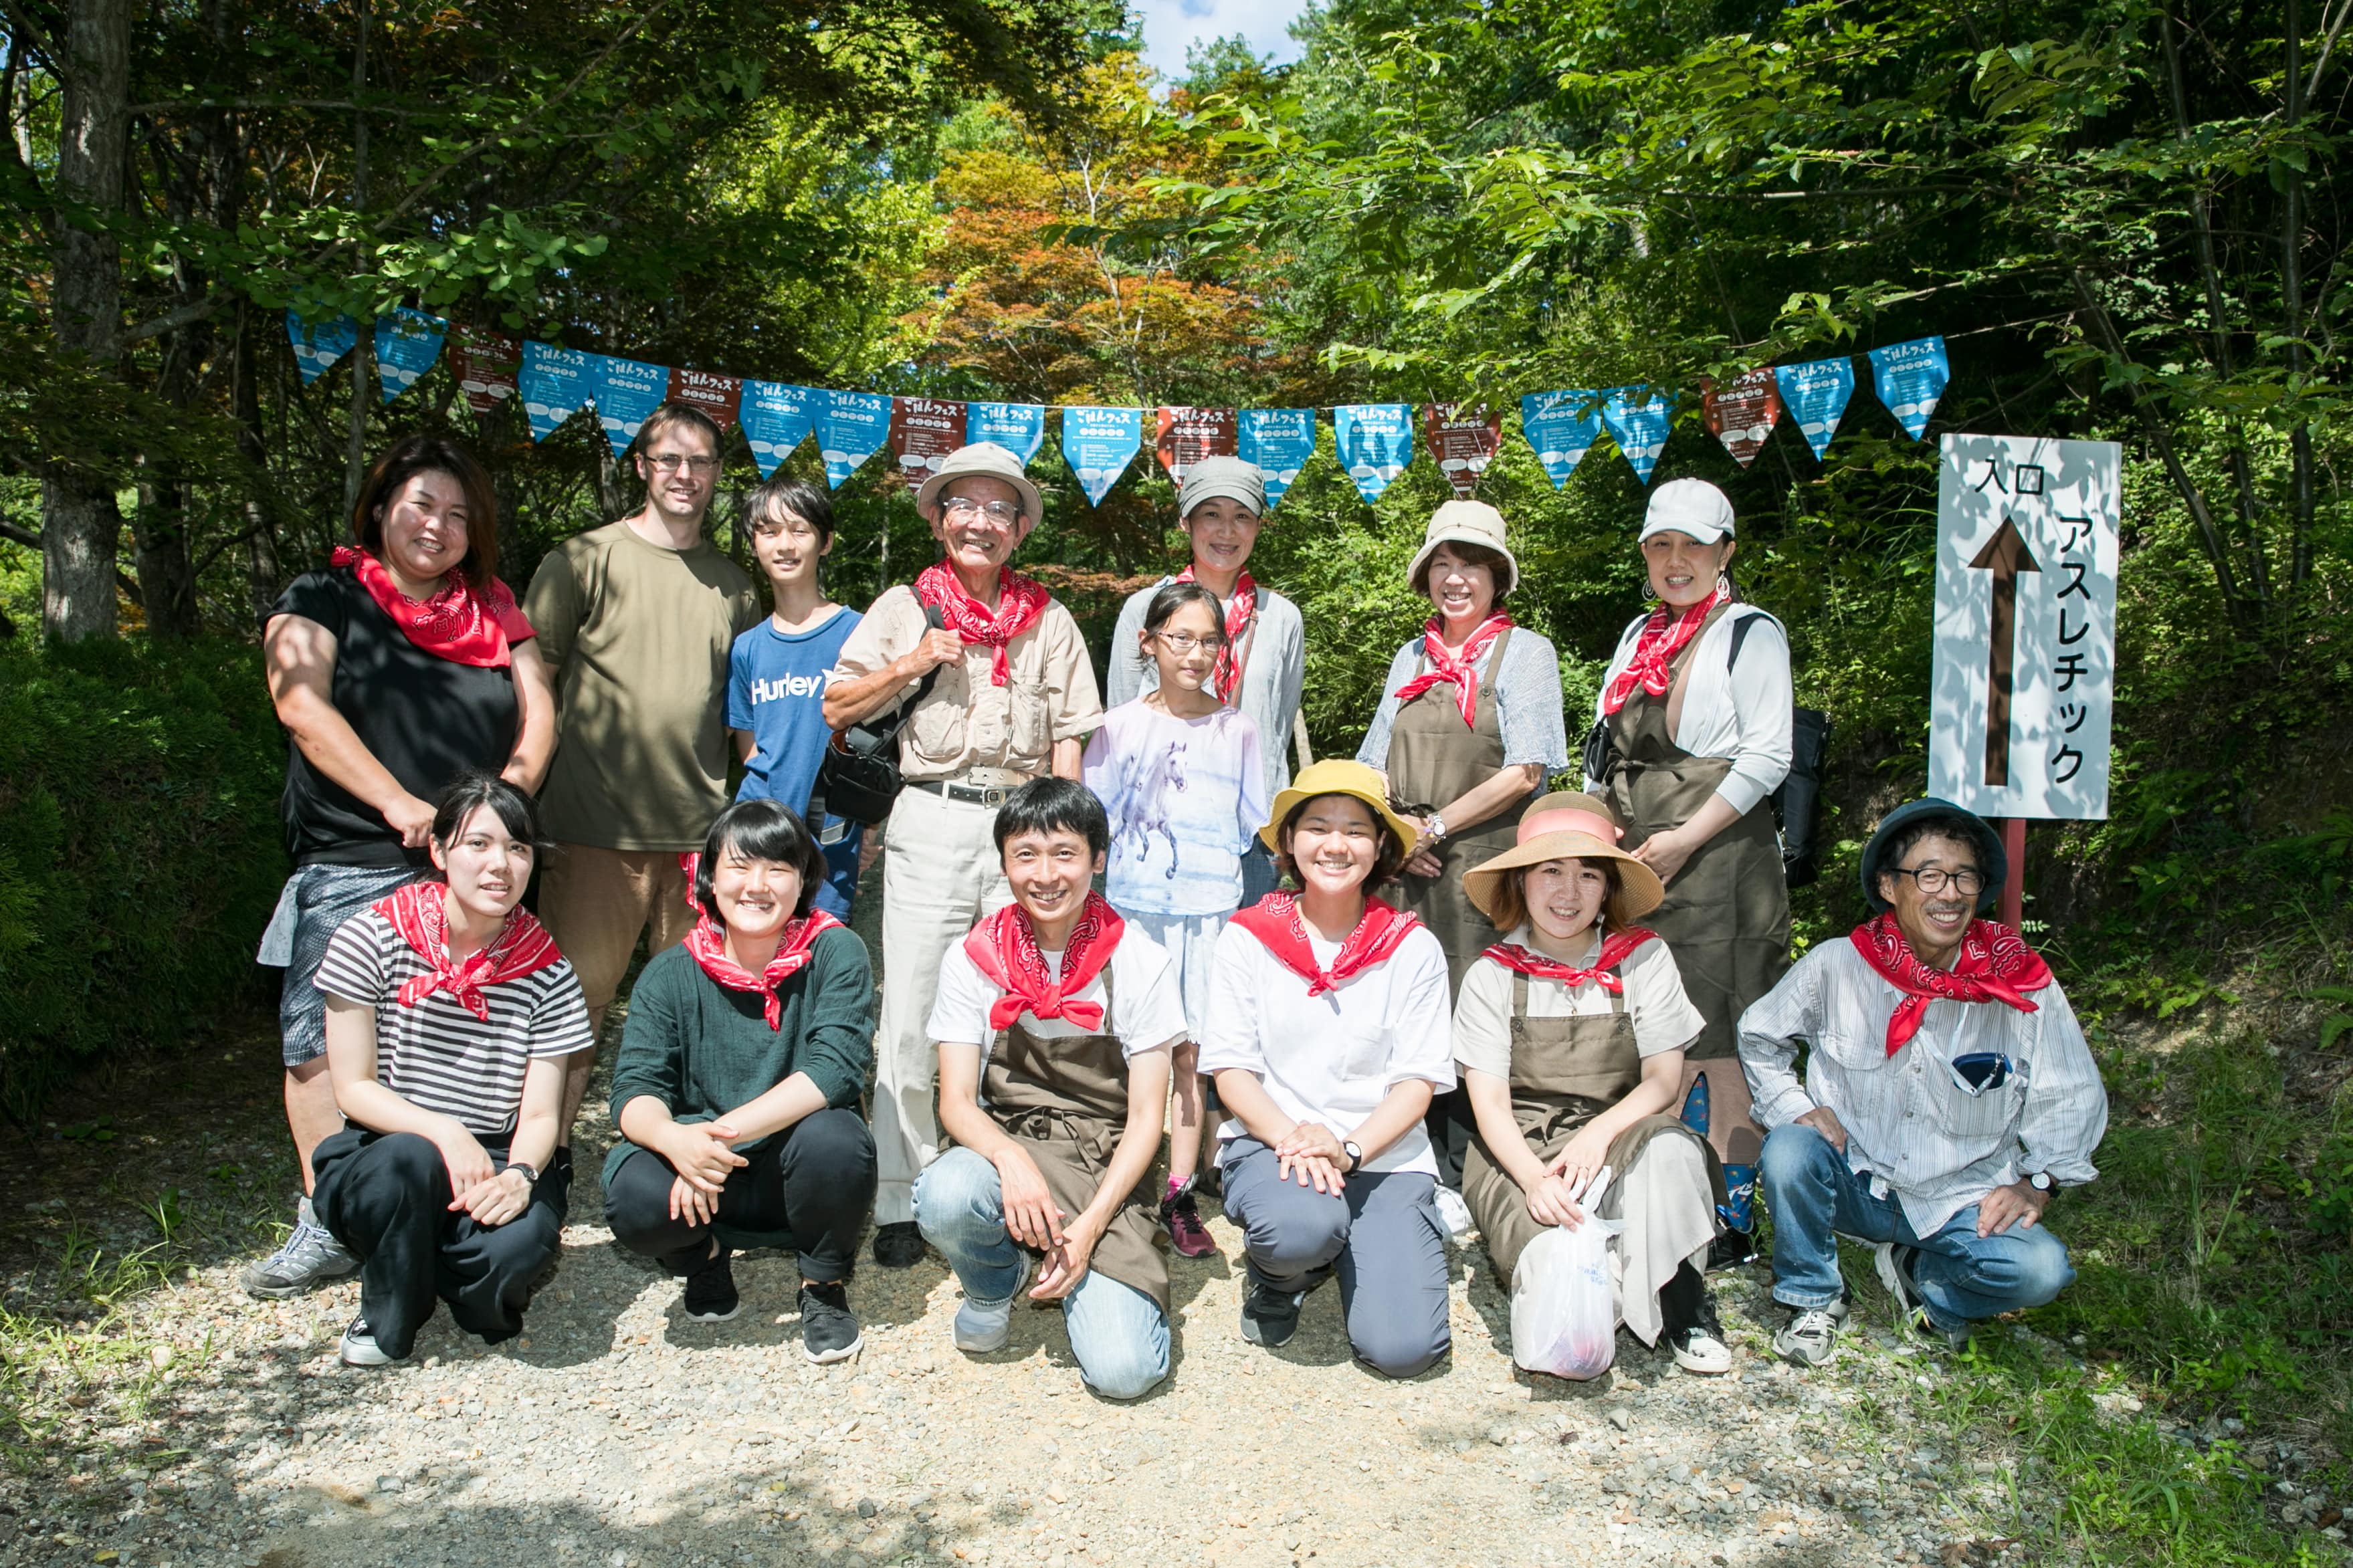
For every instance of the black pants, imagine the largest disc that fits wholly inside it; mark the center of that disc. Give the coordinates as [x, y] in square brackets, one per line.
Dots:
[1451, 1125]
[386, 1197]
[813, 1181]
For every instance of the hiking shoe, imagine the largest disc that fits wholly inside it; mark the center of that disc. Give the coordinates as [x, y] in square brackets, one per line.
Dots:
[898, 1245]
[1811, 1335]
[1893, 1264]
[1270, 1316]
[828, 1329]
[711, 1290]
[310, 1258]
[1182, 1215]
[359, 1347]
[984, 1326]
[1731, 1249]
[1455, 1215]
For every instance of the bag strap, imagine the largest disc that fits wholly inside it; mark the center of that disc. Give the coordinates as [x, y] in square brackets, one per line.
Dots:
[1741, 626]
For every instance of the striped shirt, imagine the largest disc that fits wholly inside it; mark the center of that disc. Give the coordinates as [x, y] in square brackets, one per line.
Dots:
[1910, 1127]
[437, 1056]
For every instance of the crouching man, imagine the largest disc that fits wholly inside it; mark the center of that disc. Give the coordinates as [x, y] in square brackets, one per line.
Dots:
[1948, 1097]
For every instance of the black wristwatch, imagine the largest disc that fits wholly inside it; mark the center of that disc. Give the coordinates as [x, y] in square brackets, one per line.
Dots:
[1356, 1157]
[530, 1176]
[2040, 1181]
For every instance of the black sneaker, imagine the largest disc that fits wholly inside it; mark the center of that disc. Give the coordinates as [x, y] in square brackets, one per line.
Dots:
[1270, 1316]
[898, 1245]
[711, 1290]
[828, 1329]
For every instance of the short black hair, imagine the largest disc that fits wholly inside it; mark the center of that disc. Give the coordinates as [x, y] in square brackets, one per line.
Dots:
[1387, 866]
[1174, 597]
[478, 787]
[1960, 829]
[800, 498]
[1054, 805]
[760, 830]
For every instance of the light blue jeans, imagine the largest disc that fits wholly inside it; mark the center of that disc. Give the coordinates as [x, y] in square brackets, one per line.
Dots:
[1119, 1334]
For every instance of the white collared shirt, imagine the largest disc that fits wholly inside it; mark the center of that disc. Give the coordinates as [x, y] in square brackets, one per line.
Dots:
[1741, 711]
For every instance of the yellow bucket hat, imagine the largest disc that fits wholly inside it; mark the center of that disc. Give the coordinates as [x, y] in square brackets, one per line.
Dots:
[1335, 776]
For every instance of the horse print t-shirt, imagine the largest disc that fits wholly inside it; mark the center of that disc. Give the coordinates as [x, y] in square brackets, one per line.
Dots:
[1185, 796]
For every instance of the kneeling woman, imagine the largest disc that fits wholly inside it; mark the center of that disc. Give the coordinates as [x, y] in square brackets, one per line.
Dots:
[449, 1013]
[1569, 1033]
[737, 1087]
[1327, 1035]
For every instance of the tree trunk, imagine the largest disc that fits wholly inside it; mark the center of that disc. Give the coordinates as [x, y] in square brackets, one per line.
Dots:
[261, 569]
[81, 528]
[168, 582]
[2299, 439]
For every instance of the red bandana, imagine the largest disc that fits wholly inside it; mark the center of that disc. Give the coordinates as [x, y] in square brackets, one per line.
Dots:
[1444, 666]
[1274, 921]
[1227, 679]
[1615, 947]
[1020, 602]
[1005, 948]
[456, 624]
[1656, 648]
[707, 945]
[420, 913]
[1995, 965]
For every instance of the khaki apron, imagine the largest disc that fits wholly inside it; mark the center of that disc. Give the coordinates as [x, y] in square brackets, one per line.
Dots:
[1727, 915]
[1565, 1072]
[1066, 1101]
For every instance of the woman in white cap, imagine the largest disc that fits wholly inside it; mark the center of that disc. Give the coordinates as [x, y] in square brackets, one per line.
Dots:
[1570, 1037]
[1696, 711]
[1469, 727]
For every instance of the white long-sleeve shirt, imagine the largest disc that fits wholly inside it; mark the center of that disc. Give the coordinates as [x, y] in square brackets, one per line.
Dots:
[1909, 1126]
[1274, 667]
[1741, 711]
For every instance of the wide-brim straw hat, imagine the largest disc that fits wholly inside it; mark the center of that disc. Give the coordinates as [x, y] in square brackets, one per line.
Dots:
[987, 459]
[1992, 858]
[1569, 826]
[1465, 522]
[1338, 777]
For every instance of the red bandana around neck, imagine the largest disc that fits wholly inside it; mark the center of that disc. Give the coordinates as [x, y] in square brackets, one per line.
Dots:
[1020, 602]
[1005, 948]
[1656, 648]
[1275, 920]
[456, 624]
[420, 913]
[707, 945]
[1444, 666]
[1615, 948]
[1240, 611]
[1995, 965]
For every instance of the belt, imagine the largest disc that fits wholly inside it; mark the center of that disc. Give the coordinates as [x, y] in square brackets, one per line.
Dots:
[990, 796]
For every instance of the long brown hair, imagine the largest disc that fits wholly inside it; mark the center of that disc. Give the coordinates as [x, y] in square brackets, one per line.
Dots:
[423, 454]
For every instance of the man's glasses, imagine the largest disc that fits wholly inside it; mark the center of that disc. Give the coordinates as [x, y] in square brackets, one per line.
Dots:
[1981, 1072]
[1004, 513]
[1182, 643]
[1936, 879]
[671, 462]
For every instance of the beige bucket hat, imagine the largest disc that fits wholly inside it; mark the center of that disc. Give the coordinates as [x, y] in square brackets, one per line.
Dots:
[986, 458]
[1569, 826]
[1465, 522]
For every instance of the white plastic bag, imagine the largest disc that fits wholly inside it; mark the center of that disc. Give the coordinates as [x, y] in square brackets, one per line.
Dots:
[1564, 1317]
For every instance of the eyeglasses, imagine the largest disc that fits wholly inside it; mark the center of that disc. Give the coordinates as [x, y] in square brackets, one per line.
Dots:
[671, 463]
[1004, 513]
[1936, 879]
[1182, 643]
[1983, 1072]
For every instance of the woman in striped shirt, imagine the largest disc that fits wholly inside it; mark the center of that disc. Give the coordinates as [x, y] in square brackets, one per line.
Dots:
[449, 1013]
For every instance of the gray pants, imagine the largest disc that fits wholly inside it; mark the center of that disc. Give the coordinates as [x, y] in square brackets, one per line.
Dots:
[1380, 1234]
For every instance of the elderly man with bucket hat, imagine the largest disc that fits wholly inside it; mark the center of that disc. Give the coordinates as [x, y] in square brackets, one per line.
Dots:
[1265, 660]
[1013, 697]
[1948, 1096]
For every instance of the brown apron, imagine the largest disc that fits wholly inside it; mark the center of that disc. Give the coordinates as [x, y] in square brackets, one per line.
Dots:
[1066, 1101]
[1435, 758]
[1727, 915]
[1565, 1072]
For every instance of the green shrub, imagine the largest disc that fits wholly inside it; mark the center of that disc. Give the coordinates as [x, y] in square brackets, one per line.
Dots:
[139, 849]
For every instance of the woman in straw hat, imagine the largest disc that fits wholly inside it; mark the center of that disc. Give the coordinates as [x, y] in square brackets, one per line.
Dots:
[1327, 1034]
[1569, 1035]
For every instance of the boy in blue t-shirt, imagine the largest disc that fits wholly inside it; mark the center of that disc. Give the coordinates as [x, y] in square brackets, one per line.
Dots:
[776, 673]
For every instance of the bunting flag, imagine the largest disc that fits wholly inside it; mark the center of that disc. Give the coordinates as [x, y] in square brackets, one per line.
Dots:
[485, 365]
[851, 426]
[778, 418]
[719, 396]
[317, 345]
[1098, 443]
[1189, 435]
[923, 431]
[1909, 378]
[1375, 442]
[406, 344]
[1815, 393]
[1463, 440]
[1019, 427]
[1639, 418]
[1277, 442]
[554, 385]
[1741, 413]
[626, 391]
[1560, 427]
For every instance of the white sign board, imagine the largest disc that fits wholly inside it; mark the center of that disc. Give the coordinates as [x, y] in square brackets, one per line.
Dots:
[2026, 625]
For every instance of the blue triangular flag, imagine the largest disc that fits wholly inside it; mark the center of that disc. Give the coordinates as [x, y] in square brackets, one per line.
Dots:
[1639, 418]
[1815, 393]
[1909, 378]
[1375, 442]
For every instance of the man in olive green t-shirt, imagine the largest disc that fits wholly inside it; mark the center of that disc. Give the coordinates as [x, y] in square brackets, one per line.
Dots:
[635, 620]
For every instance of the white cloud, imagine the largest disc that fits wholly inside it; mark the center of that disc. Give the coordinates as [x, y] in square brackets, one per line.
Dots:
[1171, 25]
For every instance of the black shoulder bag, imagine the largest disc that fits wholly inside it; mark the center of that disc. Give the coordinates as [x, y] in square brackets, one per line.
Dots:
[860, 777]
[1798, 802]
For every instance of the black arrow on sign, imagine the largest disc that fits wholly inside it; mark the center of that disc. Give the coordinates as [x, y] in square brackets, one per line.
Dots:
[2005, 555]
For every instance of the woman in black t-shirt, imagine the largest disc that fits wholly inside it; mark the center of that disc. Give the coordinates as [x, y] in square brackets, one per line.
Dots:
[401, 665]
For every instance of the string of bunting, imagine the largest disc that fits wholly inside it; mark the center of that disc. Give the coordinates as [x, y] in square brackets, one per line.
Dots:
[1375, 440]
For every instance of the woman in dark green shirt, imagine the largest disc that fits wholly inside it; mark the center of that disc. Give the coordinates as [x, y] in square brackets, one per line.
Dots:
[736, 1090]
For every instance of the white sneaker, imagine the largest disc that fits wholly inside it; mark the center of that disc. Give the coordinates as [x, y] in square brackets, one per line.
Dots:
[1697, 1350]
[359, 1347]
[1456, 1215]
[984, 1326]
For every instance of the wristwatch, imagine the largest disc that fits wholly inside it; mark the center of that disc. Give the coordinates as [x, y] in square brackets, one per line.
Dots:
[1355, 1158]
[1433, 828]
[2040, 1181]
[530, 1176]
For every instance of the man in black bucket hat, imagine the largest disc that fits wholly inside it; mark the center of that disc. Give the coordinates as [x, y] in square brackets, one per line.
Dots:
[1948, 1095]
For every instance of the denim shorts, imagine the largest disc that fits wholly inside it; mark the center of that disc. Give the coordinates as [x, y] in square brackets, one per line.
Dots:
[316, 901]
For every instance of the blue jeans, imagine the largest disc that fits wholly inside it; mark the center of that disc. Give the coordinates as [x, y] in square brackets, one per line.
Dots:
[1814, 1199]
[840, 889]
[1119, 1334]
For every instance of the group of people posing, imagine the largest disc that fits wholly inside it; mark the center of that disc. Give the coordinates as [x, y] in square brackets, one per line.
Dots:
[1400, 998]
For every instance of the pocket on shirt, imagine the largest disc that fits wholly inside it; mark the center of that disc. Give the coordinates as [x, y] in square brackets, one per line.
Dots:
[1854, 1051]
[1978, 1115]
[937, 729]
[1365, 1053]
[1029, 720]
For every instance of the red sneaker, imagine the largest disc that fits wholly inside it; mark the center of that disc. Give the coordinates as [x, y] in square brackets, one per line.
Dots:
[1178, 1213]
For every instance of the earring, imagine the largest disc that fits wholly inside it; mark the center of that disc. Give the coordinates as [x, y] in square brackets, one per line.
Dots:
[1723, 586]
